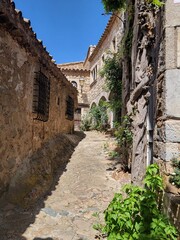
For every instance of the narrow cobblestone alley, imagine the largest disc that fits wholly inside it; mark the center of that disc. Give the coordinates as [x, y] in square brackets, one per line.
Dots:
[85, 187]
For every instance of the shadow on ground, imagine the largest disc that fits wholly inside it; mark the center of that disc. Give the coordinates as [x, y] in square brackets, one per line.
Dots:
[43, 238]
[20, 205]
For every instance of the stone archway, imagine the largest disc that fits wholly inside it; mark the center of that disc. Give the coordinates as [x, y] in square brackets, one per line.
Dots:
[102, 99]
[93, 105]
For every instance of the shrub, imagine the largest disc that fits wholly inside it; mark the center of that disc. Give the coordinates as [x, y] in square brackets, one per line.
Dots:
[86, 122]
[138, 215]
[99, 118]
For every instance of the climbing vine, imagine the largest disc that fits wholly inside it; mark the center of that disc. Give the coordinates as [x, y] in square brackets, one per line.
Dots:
[99, 117]
[112, 6]
[117, 5]
[112, 72]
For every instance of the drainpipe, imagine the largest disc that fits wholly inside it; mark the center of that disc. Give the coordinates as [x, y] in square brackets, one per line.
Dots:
[150, 127]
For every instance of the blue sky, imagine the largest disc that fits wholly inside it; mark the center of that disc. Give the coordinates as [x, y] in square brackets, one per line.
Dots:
[66, 27]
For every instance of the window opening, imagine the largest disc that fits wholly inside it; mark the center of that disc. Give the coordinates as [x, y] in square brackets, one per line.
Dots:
[41, 97]
[58, 101]
[70, 108]
[103, 58]
[114, 44]
[74, 84]
[94, 73]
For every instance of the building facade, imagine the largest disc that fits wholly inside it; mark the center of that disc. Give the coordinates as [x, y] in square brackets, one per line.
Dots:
[37, 104]
[94, 87]
[78, 75]
[107, 46]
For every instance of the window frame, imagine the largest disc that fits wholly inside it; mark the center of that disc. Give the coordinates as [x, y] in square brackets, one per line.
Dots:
[41, 97]
[70, 108]
[94, 73]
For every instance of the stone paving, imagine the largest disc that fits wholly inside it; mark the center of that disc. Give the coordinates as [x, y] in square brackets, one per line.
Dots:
[67, 213]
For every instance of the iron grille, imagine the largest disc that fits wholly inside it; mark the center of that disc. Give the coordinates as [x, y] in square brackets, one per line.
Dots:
[70, 108]
[41, 95]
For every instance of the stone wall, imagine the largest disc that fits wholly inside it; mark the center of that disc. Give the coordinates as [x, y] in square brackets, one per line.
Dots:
[105, 46]
[21, 56]
[172, 81]
[77, 74]
[167, 140]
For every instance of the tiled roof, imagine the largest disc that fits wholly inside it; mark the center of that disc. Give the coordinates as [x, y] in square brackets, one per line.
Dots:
[73, 66]
[103, 36]
[7, 8]
[21, 30]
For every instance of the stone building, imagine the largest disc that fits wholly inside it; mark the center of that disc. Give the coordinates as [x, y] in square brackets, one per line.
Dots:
[107, 45]
[37, 104]
[78, 75]
[93, 89]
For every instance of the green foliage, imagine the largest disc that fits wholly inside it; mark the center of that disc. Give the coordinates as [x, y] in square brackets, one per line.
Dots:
[118, 5]
[175, 179]
[99, 118]
[86, 122]
[127, 43]
[138, 215]
[113, 154]
[113, 5]
[112, 72]
[123, 132]
[156, 3]
[96, 119]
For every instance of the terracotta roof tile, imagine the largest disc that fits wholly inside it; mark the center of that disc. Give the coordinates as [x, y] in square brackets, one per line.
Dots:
[74, 66]
[103, 36]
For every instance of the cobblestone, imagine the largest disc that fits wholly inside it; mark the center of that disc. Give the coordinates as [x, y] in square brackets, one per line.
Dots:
[67, 213]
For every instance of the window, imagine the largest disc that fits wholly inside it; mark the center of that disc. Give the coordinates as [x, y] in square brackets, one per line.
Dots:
[114, 44]
[41, 96]
[70, 108]
[103, 59]
[58, 101]
[94, 73]
[74, 84]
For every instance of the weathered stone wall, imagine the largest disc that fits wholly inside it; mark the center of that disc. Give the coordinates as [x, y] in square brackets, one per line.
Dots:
[76, 75]
[172, 81]
[147, 36]
[167, 145]
[167, 139]
[21, 55]
[105, 46]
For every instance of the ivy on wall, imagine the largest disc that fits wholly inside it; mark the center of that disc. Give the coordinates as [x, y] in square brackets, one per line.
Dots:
[113, 5]
[117, 5]
[112, 72]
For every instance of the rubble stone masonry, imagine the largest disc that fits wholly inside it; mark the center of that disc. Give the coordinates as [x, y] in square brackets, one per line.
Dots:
[172, 80]
[107, 45]
[21, 135]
